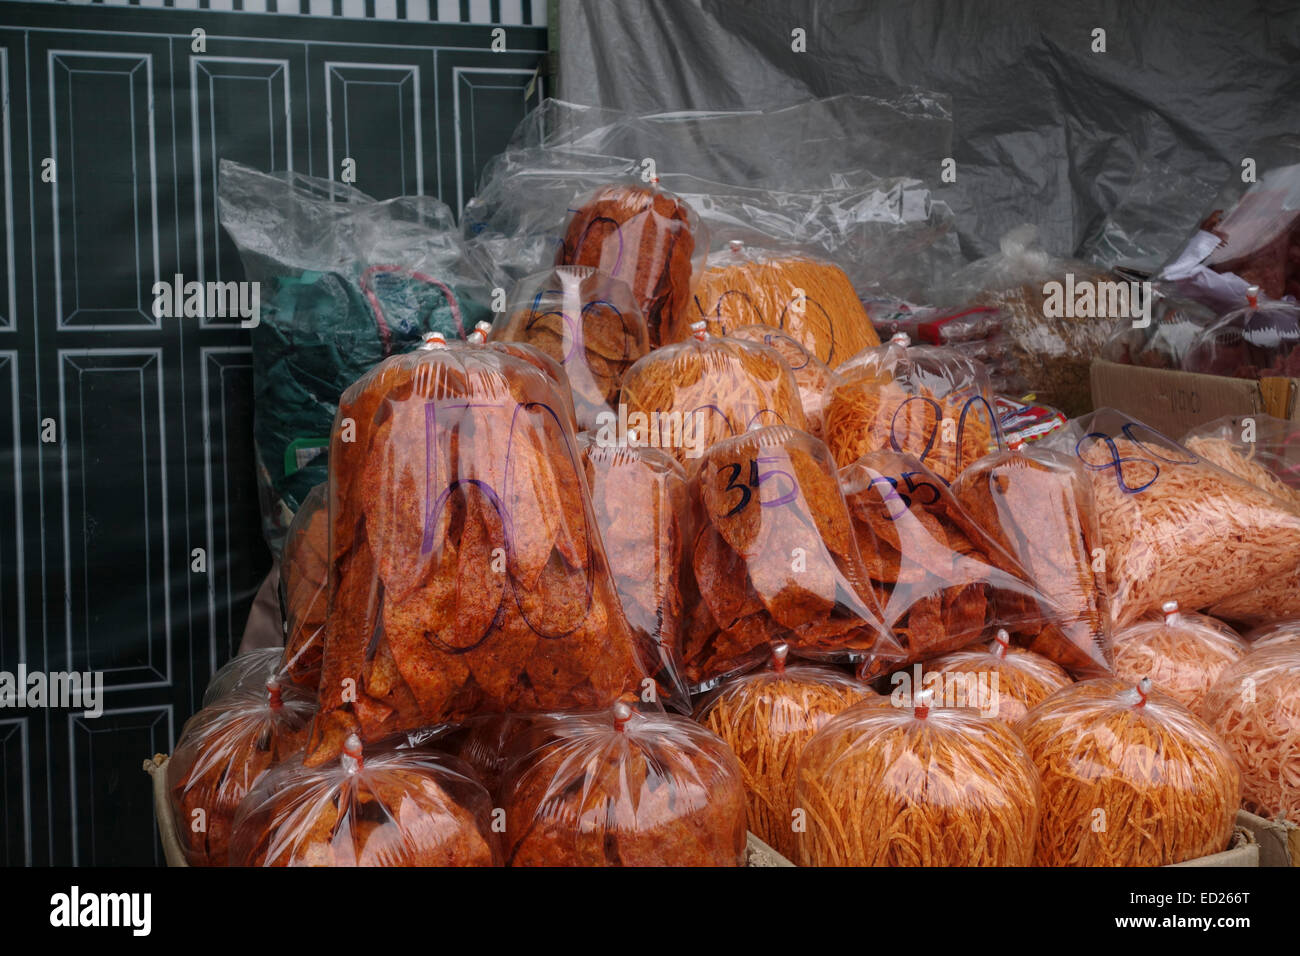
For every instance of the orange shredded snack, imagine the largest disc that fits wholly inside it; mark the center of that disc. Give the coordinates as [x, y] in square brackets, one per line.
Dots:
[1255, 707]
[812, 301]
[886, 785]
[1130, 778]
[1228, 456]
[767, 717]
[1177, 528]
[810, 373]
[1183, 654]
[1023, 679]
[707, 389]
[927, 401]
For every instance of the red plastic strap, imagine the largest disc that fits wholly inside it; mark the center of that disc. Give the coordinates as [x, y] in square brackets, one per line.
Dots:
[385, 333]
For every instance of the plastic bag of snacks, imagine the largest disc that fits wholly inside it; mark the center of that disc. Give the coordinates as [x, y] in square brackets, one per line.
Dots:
[222, 751]
[1053, 312]
[1130, 777]
[811, 300]
[639, 498]
[1255, 707]
[470, 575]
[1176, 324]
[1039, 509]
[1271, 635]
[1002, 681]
[344, 281]
[1183, 653]
[552, 369]
[1175, 527]
[1259, 339]
[384, 807]
[1260, 449]
[645, 237]
[304, 589]
[689, 395]
[621, 788]
[248, 671]
[941, 580]
[774, 559]
[484, 744]
[900, 783]
[924, 400]
[587, 321]
[810, 373]
[767, 717]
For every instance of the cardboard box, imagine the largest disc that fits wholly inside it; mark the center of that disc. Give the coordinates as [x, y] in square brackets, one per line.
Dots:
[1173, 402]
[1243, 850]
[1279, 841]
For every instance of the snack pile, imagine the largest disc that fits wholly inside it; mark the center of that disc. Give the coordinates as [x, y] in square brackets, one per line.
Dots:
[675, 549]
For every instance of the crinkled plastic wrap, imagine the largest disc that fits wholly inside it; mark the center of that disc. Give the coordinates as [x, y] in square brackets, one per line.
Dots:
[941, 580]
[927, 401]
[250, 670]
[810, 373]
[1176, 527]
[774, 560]
[344, 282]
[809, 299]
[1181, 651]
[1176, 324]
[900, 783]
[587, 321]
[304, 589]
[639, 497]
[534, 356]
[1255, 707]
[1130, 777]
[1259, 340]
[222, 752]
[1001, 680]
[1262, 228]
[691, 394]
[1053, 340]
[621, 788]
[1039, 509]
[645, 237]
[470, 574]
[484, 744]
[767, 717]
[1271, 635]
[380, 807]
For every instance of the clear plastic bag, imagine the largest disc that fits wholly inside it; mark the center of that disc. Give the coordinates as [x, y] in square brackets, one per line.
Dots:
[587, 321]
[1175, 527]
[1260, 449]
[222, 751]
[383, 807]
[810, 300]
[890, 783]
[767, 717]
[304, 589]
[940, 579]
[552, 369]
[1130, 777]
[1039, 509]
[344, 282]
[691, 394]
[1182, 652]
[928, 401]
[1176, 324]
[639, 497]
[250, 670]
[978, 323]
[622, 788]
[1259, 340]
[1262, 229]
[646, 237]
[774, 560]
[810, 373]
[484, 744]
[1054, 349]
[1272, 635]
[1002, 681]
[470, 574]
[1255, 707]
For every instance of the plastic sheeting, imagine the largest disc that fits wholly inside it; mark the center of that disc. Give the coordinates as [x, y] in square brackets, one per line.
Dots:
[1114, 156]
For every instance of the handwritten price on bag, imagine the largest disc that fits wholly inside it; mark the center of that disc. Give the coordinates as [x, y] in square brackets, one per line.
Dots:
[1117, 461]
[757, 477]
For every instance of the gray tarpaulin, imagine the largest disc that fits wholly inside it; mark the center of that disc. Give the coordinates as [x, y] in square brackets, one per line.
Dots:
[1114, 155]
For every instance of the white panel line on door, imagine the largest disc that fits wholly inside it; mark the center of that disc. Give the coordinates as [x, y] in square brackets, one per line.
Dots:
[12, 313]
[413, 70]
[456, 72]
